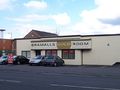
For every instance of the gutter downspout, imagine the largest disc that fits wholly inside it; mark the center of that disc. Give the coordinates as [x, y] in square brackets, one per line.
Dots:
[81, 57]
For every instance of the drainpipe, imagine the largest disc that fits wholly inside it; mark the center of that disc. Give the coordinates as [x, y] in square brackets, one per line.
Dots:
[81, 56]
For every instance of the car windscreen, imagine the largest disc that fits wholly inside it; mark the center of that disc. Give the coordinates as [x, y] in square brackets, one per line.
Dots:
[38, 57]
[49, 57]
[4, 56]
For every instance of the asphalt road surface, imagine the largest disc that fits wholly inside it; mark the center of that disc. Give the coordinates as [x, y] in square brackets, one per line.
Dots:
[25, 77]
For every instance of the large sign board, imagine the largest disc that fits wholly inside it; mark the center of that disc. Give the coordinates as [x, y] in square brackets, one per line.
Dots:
[62, 44]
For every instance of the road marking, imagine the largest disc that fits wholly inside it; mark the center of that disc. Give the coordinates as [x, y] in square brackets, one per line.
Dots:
[84, 87]
[12, 81]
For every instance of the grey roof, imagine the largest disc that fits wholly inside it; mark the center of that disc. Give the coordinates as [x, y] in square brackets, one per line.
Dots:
[39, 34]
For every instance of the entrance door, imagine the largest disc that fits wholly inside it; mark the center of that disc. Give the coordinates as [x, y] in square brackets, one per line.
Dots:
[37, 52]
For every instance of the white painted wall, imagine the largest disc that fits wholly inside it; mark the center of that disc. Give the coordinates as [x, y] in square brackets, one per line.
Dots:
[23, 45]
[59, 53]
[32, 53]
[105, 51]
[76, 61]
[42, 52]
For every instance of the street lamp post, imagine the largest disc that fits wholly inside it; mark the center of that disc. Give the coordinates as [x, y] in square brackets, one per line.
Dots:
[10, 35]
[11, 41]
[3, 51]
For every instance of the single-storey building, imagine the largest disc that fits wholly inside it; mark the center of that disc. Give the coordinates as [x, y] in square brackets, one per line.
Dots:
[74, 49]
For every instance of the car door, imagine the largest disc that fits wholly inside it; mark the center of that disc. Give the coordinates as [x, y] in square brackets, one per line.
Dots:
[24, 59]
[60, 61]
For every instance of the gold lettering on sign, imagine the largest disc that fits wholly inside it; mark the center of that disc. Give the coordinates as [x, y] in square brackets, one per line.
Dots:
[63, 44]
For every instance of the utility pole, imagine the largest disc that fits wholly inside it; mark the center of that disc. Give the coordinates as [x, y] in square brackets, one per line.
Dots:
[10, 35]
[3, 51]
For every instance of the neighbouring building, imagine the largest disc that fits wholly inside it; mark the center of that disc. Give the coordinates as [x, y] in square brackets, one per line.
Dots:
[7, 46]
[38, 34]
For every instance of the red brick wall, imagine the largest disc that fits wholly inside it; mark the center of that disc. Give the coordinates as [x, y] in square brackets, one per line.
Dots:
[6, 44]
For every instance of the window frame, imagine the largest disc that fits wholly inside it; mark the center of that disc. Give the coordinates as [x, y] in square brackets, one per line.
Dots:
[51, 52]
[27, 54]
[69, 55]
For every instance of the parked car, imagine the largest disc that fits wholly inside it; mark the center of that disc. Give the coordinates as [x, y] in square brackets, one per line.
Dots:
[36, 60]
[20, 60]
[4, 59]
[53, 61]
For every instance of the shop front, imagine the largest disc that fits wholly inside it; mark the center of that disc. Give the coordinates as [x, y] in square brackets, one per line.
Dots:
[70, 50]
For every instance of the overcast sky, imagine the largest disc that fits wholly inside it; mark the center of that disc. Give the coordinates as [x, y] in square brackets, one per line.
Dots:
[64, 17]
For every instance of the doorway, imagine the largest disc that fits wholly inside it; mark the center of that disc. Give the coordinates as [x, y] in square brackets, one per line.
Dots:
[37, 52]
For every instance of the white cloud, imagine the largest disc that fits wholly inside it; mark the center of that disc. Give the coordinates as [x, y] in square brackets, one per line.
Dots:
[90, 23]
[91, 19]
[107, 9]
[5, 4]
[37, 17]
[23, 29]
[30, 18]
[61, 19]
[36, 4]
[24, 24]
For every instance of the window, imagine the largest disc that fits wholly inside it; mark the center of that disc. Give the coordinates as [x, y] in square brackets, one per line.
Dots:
[26, 54]
[51, 52]
[68, 54]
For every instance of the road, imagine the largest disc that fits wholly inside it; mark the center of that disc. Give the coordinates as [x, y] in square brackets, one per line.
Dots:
[25, 77]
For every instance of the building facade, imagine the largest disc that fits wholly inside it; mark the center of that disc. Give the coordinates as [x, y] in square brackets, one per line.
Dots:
[75, 50]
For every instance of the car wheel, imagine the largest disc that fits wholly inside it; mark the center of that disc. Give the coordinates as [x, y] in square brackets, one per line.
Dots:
[30, 64]
[55, 64]
[4, 62]
[18, 62]
[40, 64]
